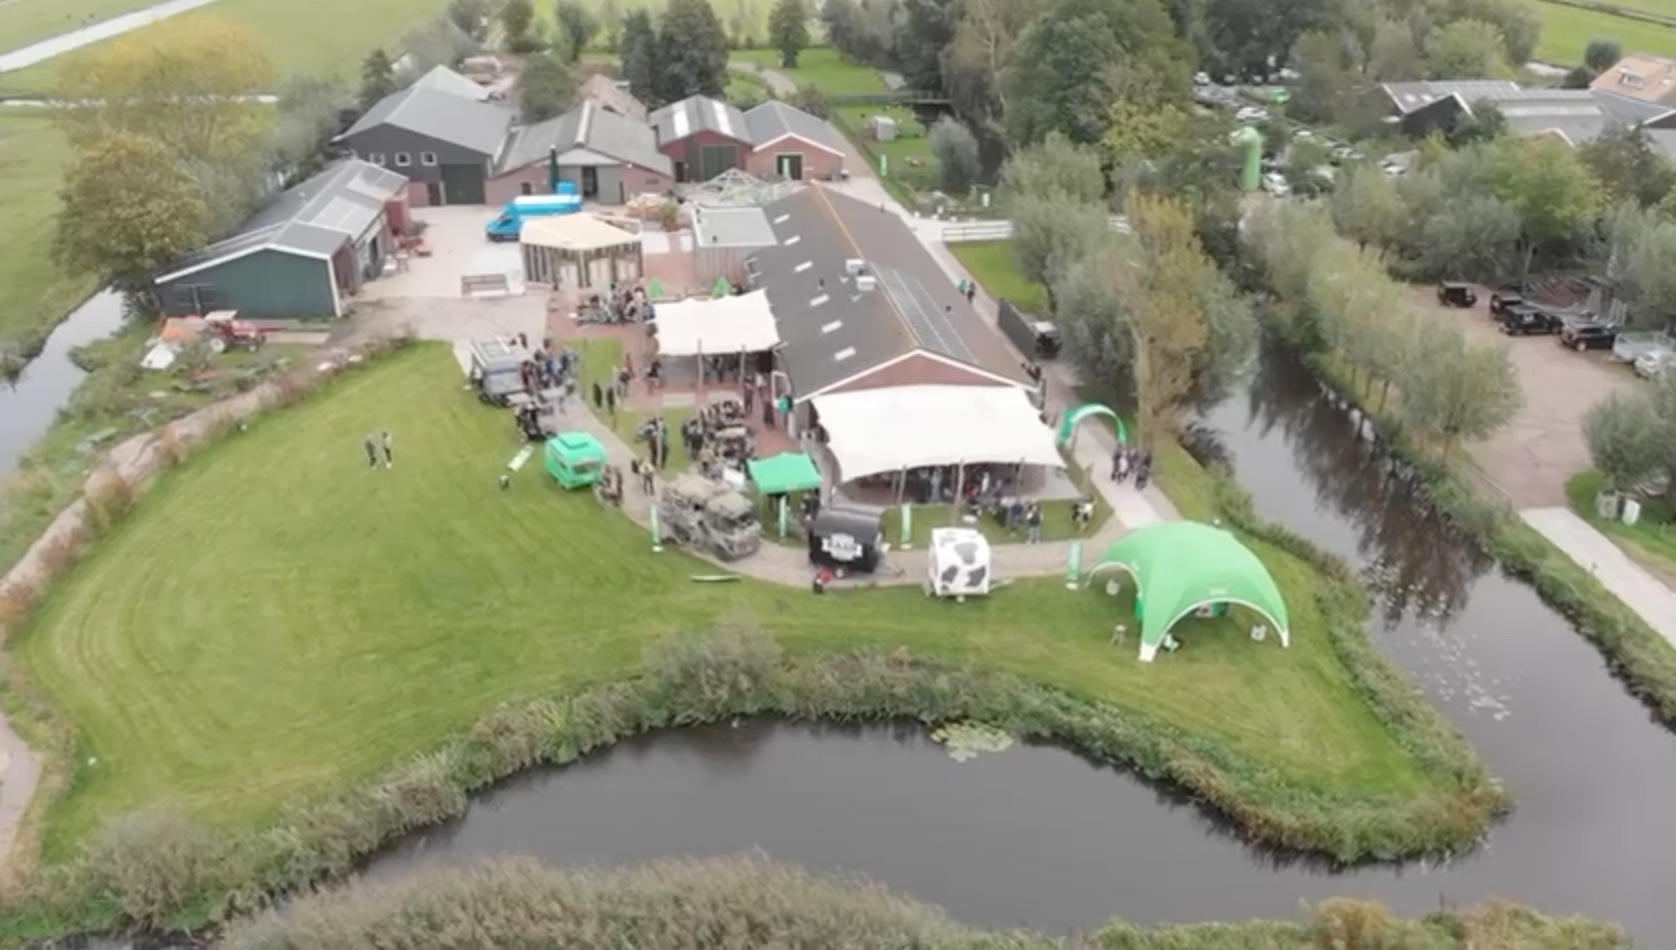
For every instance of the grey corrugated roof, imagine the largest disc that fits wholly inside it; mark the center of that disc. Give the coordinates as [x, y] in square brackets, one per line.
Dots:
[831, 330]
[1409, 96]
[479, 126]
[443, 79]
[313, 218]
[731, 227]
[693, 114]
[1630, 111]
[587, 126]
[775, 119]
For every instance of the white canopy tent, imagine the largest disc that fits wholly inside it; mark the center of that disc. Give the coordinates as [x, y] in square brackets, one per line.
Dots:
[905, 427]
[717, 326]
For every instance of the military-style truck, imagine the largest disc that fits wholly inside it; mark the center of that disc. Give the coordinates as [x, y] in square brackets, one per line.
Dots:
[708, 516]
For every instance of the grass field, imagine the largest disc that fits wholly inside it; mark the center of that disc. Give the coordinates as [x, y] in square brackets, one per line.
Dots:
[822, 68]
[1650, 542]
[34, 294]
[23, 22]
[991, 262]
[277, 621]
[1567, 30]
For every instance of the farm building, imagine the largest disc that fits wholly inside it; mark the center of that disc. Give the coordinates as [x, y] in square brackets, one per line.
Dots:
[792, 144]
[580, 252]
[1640, 77]
[611, 95]
[703, 137]
[724, 237]
[444, 144]
[301, 256]
[609, 158]
[1575, 115]
[443, 79]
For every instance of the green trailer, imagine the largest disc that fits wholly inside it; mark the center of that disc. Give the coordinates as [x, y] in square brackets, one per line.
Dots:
[575, 459]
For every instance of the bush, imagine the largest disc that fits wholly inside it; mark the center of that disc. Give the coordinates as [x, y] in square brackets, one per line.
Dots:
[151, 865]
[812, 100]
[956, 150]
[701, 676]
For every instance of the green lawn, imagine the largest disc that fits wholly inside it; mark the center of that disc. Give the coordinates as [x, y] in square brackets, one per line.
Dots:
[745, 89]
[23, 22]
[991, 262]
[34, 294]
[1566, 30]
[277, 621]
[821, 67]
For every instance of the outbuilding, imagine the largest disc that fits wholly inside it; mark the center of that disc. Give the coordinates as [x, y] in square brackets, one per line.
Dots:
[609, 158]
[303, 255]
[723, 238]
[443, 143]
[791, 144]
[580, 251]
[703, 137]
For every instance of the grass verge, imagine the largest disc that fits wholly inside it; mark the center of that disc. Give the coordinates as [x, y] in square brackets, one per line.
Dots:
[1650, 542]
[34, 294]
[23, 22]
[1567, 29]
[991, 264]
[735, 900]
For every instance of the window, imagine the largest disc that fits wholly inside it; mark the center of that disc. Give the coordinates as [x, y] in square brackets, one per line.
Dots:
[427, 158]
[526, 188]
[377, 158]
[403, 159]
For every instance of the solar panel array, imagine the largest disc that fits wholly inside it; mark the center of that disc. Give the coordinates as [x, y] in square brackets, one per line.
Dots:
[929, 324]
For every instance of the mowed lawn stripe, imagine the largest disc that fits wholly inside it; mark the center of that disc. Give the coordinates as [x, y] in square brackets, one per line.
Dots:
[277, 622]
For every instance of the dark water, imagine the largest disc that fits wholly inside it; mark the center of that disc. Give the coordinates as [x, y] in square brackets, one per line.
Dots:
[1037, 837]
[28, 409]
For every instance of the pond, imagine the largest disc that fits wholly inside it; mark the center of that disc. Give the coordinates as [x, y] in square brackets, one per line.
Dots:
[1034, 836]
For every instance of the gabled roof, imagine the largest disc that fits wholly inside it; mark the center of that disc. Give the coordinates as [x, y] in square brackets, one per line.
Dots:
[443, 79]
[313, 219]
[1642, 77]
[612, 95]
[590, 127]
[774, 120]
[1576, 115]
[696, 114]
[834, 331]
[478, 126]
[1412, 96]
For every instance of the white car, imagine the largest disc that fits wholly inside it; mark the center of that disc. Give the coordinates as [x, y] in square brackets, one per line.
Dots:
[1304, 134]
[1251, 114]
[1275, 184]
[1653, 365]
[1201, 79]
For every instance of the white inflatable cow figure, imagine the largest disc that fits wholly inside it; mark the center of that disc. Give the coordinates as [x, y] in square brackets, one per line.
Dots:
[959, 564]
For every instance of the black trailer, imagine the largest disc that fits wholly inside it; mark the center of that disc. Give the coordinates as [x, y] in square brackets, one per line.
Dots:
[1454, 294]
[848, 539]
[1036, 339]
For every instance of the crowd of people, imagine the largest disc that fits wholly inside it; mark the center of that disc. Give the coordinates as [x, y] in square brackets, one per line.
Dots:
[619, 304]
[1127, 461]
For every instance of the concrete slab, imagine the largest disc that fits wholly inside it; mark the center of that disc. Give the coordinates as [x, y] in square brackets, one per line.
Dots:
[1595, 553]
[455, 238]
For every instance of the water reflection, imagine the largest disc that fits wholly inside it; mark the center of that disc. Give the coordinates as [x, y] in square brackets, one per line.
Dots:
[1416, 563]
[30, 401]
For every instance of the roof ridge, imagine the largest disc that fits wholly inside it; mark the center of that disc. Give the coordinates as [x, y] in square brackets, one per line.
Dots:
[844, 229]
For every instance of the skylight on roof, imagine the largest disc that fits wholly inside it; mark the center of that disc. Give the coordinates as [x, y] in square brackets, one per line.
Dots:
[830, 327]
[843, 354]
[823, 298]
[803, 266]
[793, 239]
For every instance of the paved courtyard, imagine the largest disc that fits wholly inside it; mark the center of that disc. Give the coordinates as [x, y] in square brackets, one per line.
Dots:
[458, 248]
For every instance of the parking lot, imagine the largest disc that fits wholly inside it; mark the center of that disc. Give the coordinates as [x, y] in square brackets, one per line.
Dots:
[1531, 458]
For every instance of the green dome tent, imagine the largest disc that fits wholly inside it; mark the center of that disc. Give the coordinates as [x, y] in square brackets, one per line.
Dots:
[1180, 566]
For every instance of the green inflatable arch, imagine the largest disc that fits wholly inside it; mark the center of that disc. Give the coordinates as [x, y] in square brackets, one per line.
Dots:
[1180, 566]
[1089, 411]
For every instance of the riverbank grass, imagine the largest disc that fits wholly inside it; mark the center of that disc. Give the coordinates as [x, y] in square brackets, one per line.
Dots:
[34, 294]
[1650, 542]
[278, 622]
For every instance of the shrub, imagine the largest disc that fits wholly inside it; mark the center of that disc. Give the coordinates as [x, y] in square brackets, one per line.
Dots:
[701, 675]
[956, 149]
[811, 100]
[17, 602]
[109, 498]
[1344, 924]
[151, 865]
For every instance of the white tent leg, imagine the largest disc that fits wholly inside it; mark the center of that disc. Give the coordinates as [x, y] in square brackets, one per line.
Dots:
[1149, 651]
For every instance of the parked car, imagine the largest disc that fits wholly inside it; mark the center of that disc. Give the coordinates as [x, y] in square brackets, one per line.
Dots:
[1275, 184]
[1588, 336]
[1501, 301]
[1201, 79]
[1653, 365]
[1452, 294]
[1525, 320]
[1250, 114]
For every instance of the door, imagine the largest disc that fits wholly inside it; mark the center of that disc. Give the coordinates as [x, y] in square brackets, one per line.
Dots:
[590, 182]
[790, 166]
[681, 171]
[433, 193]
[463, 184]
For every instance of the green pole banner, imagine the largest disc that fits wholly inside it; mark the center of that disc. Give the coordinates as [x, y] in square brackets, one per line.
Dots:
[783, 517]
[1073, 566]
[907, 526]
[657, 535]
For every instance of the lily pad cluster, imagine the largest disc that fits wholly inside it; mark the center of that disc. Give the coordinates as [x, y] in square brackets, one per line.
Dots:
[968, 740]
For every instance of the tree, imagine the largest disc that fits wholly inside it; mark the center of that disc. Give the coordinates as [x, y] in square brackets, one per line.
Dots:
[378, 78]
[812, 100]
[1457, 390]
[309, 110]
[1141, 131]
[436, 42]
[979, 52]
[1628, 166]
[1475, 237]
[1602, 54]
[927, 29]
[1515, 20]
[1394, 56]
[1544, 180]
[189, 83]
[844, 27]
[956, 151]
[637, 49]
[1052, 231]
[788, 30]
[1642, 265]
[469, 15]
[1249, 35]
[1056, 167]
[580, 26]
[516, 18]
[1622, 432]
[1366, 207]
[129, 207]
[1324, 78]
[545, 87]
[1467, 49]
[692, 52]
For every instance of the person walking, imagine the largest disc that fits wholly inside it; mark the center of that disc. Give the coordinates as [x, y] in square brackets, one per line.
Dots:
[648, 476]
[371, 445]
[1120, 458]
[971, 291]
[599, 396]
[389, 449]
[611, 403]
[1033, 520]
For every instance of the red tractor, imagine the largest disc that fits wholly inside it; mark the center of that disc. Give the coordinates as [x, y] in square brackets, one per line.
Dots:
[223, 332]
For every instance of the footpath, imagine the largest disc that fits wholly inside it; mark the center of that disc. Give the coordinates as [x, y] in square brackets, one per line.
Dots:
[1600, 556]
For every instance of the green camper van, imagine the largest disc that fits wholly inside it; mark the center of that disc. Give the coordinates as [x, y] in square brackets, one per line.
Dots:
[575, 459]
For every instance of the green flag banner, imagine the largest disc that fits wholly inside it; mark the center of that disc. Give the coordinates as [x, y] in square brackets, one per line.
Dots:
[784, 517]
[1073, 566]
[907, 526]
[654, 290]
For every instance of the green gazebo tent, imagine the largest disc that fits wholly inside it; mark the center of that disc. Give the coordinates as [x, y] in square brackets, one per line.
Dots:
[575, 459]
[785, 473]
[1181, 566]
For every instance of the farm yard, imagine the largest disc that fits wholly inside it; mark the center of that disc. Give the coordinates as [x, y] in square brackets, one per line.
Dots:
[373, 587]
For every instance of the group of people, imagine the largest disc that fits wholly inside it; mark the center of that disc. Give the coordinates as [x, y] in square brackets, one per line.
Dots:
[619, 304]
[380, 448]
[1128, 461]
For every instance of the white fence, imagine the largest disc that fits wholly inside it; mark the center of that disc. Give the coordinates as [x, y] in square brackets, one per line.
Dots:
[965, 231]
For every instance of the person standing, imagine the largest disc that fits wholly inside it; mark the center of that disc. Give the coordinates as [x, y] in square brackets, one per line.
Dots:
[611, 403]
[371, 445]
[599, 396]
[389, 449]
[971, 291]
[749, 396]
[1033, 520]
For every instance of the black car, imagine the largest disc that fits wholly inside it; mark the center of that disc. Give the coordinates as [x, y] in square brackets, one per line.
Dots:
[1502, 300]
[1582, 336]
[1525, 320]
[1452, 294]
